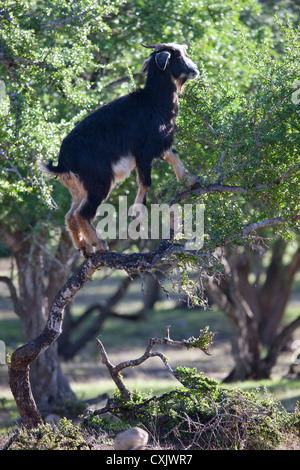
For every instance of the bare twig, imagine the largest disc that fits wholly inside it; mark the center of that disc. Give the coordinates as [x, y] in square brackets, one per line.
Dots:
[18, 307]
[203, 343]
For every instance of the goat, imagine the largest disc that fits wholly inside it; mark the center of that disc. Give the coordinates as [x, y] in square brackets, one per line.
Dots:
[124, 134]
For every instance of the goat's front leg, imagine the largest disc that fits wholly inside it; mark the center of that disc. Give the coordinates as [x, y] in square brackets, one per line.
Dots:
[144, 182]
[172, 157]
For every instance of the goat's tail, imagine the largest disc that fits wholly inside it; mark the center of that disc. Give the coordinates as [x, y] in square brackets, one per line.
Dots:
[50, 168]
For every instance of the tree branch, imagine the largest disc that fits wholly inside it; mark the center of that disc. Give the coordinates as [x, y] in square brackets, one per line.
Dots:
[276, 346]
[262, 224]
[18, 307]
[25, 355]
[203, 343]
[224, 188]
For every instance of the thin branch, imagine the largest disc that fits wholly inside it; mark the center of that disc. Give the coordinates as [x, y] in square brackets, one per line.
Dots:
[210, 188]
[57, 23]
[18, 307]
[262, 224]
[234, 189]
[288, 172]
[218, 171]
[202, 343]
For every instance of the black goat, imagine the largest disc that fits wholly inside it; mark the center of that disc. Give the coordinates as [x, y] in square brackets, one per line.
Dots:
[127, 133]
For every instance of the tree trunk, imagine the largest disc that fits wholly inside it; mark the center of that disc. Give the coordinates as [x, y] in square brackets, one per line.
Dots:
[255, 309]
[48, 384]
[265, 365]
[245, 340]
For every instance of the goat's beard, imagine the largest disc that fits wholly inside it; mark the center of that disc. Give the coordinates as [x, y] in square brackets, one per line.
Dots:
[180, 82]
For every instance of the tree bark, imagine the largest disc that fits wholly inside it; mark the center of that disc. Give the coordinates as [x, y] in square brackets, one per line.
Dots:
[265, 365]
[23, 357]
[255, 309]
[50, 388]
[245, 340]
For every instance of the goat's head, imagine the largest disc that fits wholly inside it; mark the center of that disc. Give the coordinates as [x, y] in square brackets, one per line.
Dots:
[174, 59]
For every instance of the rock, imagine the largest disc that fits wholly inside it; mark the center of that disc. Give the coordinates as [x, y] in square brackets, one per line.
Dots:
[132, 439]
[52, 418]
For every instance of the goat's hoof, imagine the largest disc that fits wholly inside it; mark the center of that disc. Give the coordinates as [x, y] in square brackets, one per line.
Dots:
[102, 250]
[86, 254]
[86, 251]
[192, 181]
[101, 247]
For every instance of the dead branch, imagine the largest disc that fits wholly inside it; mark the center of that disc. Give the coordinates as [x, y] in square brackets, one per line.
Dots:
[202, 342]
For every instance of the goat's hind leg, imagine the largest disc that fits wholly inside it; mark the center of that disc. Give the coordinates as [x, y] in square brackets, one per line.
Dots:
[78, 193]
[74, 229]
[84, 215]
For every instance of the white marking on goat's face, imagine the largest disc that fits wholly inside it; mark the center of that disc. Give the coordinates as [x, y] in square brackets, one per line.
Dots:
[181, 67]
[123, 167]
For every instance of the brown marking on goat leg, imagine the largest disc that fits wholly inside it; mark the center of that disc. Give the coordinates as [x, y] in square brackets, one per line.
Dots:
[79, 194]
[140, 197]
[83, 234]
[74, 185]
[141, 194]
[72, 227]
[89, 232]
[172, 157]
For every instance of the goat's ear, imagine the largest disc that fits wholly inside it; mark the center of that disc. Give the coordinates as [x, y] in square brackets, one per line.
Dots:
[145, 66]
[162, 59]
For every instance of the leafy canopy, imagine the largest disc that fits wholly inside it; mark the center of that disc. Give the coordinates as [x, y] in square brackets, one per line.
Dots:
[245, 146]
[46, 52]
[59, 60]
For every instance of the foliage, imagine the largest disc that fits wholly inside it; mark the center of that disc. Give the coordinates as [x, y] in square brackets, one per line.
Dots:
[63, 436]
[246, 145]
[211, 29]
[46, 50]
[203, 341]
[205, 415]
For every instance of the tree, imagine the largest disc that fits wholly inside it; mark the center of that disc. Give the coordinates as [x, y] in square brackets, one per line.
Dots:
[45, 52]
[53, 72]
[58, 60]
[250, 162]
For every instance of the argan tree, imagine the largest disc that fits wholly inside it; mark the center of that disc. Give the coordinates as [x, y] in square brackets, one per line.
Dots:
[239, 137]
[58, 61]
[247, 148]
[47, 51]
